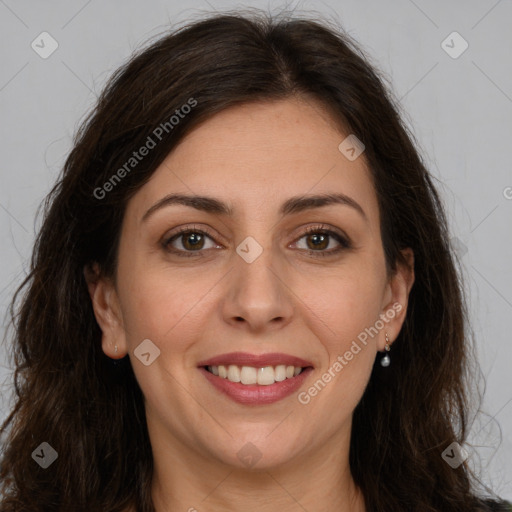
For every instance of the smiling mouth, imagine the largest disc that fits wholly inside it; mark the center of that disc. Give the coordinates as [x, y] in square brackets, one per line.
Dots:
[250, 375]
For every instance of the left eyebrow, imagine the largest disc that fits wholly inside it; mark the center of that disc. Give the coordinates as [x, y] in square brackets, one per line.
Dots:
[301, 203]
[292, 205]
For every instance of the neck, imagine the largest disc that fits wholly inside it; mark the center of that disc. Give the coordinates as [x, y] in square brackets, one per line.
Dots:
[319, 480]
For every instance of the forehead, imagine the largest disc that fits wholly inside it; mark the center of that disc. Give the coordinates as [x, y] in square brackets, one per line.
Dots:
[256, 155]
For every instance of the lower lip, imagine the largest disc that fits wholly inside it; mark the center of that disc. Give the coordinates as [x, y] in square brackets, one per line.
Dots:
[257, 394]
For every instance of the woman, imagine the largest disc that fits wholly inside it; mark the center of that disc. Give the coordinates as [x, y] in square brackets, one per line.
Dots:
[242, 296]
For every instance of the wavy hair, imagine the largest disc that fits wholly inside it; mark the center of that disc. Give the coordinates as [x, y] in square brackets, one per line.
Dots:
[90, 409]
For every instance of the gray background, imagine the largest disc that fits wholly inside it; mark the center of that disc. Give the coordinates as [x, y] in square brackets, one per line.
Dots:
[460, 110]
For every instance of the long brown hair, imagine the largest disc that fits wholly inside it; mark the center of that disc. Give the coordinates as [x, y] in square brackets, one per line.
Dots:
[90, 409]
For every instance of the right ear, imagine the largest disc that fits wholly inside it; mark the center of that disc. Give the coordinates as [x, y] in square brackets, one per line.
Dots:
[107, 311]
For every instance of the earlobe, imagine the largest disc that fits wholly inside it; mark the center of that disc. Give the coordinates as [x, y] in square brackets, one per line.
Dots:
[107, 312]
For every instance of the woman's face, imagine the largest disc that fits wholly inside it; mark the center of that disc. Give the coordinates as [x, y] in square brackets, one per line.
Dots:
[259, 281]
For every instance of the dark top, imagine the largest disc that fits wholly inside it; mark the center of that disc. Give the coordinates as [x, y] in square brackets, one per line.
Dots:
[497, 506]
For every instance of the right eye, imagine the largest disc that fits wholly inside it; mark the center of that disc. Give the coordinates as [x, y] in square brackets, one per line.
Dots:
[191, 240]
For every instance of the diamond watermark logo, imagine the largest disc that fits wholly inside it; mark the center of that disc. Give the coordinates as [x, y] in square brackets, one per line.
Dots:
[44, 455]
[249, 249]
[454, 45]
[44, 45]
[351, 147]
[249, 455]
[455, 455]
[147, 352]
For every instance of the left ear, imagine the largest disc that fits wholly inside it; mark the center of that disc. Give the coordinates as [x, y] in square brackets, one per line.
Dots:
[396, 298]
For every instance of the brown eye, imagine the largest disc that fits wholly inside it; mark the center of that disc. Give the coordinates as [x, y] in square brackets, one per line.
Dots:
[187, 242]
[319, 239]
[192, 241]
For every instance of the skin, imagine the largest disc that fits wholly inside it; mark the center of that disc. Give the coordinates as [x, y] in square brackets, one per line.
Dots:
[252, 157]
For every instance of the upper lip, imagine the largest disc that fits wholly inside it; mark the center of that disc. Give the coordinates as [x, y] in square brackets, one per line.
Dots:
[257, 361]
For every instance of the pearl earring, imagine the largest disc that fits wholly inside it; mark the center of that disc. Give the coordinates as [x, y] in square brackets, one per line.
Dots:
[386, 360]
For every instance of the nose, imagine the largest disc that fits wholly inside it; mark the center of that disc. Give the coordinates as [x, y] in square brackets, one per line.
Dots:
[259, 295]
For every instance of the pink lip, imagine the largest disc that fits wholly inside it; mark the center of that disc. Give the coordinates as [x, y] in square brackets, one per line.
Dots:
[256, 394]
[257, 361]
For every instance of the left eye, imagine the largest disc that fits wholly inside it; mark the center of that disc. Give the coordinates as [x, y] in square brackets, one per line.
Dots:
[317, 240]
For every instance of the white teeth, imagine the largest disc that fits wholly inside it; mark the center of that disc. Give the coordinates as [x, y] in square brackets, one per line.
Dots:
[266, 376]
[280, 373]
[250, 375]
[233, 373]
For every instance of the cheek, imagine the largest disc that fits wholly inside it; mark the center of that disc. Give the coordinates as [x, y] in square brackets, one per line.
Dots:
[342, 311]
[346, 301]
[342, 318]
[159, 304]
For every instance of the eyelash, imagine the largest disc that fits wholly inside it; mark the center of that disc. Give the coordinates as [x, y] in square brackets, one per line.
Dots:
[344, 242]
